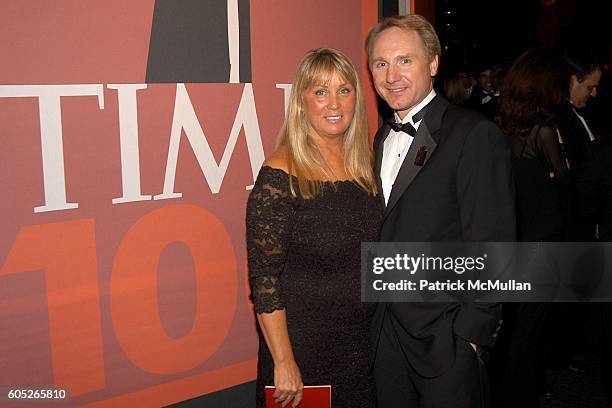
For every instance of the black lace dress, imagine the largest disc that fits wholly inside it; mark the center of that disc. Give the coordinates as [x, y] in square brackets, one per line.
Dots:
[541, 176]
[304, 257]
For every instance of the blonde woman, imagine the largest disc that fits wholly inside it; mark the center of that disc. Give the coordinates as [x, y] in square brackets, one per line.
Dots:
[312, 205]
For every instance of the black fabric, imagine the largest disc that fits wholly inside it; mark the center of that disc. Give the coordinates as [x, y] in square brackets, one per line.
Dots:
[594, 188]
[542, 177]
[566, 321]
[581, 155]
[463, 192]
[462, 386]
[304, 257]
[604, 311]
[574, 134]
[483, 102]
[519, 358]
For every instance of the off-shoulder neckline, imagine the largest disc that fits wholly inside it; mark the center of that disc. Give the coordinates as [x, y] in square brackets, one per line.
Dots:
[322, 181]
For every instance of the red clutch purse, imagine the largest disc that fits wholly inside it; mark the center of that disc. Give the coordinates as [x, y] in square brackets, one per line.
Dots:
[315, 396]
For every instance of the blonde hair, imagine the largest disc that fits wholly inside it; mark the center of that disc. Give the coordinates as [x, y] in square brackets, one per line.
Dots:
[414, 22]
[305, 161]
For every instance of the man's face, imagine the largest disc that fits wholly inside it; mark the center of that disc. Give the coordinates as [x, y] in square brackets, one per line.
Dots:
[484, 79]
[401, 70]
[581, 92]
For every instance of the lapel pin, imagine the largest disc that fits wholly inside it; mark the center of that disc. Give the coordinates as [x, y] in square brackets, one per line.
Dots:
[421, 155]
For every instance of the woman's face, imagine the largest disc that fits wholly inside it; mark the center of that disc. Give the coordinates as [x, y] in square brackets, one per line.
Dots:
[329, 106]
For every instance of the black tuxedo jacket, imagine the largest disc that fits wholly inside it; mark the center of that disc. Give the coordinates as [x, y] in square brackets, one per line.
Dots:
[575, 137]
[463, 191]
[583, 158]
[593, 188]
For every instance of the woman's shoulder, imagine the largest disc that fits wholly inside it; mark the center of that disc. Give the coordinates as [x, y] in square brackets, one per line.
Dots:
[279, 160]
[274, 172]
[546, 132]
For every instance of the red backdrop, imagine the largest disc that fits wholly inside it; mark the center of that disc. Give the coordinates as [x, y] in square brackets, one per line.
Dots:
[117, 297]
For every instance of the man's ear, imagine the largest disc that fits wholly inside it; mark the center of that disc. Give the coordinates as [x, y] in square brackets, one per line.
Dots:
[574, 80]
[433, 66]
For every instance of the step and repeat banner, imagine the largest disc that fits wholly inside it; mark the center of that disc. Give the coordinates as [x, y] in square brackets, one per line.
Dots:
[131, 133]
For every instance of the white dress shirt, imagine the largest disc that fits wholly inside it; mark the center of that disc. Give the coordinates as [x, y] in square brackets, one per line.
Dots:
[586, 127]
[396, 147]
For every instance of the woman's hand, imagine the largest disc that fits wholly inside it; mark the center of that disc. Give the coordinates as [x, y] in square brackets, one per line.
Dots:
[288, 383]
[287, 376]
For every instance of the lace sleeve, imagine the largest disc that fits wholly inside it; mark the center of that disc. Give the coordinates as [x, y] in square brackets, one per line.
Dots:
[551, 149]
[269, 213]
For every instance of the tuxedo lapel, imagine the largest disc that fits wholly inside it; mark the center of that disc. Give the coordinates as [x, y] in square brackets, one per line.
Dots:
[581, 128]
[420, 152]
[379, 141]
[423, 142]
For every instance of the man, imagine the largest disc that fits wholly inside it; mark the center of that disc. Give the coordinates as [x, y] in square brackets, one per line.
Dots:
[483, 98]
[578, 137]
[590, 211]
[567, 320]
[446, 179]
[604, 190]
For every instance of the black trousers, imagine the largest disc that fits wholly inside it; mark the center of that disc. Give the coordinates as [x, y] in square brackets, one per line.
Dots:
[464, 385]
[604, 310]
[519, 358]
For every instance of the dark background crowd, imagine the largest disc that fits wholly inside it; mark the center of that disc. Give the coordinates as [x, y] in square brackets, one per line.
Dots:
[514, 62]
[479, 36]
[541, 70]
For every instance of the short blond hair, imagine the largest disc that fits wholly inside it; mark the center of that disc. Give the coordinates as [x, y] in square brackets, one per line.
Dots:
[305, 161]
[414, 22]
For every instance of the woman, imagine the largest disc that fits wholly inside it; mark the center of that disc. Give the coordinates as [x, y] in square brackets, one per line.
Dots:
[454, 89]
[531, 95]
[312, 205]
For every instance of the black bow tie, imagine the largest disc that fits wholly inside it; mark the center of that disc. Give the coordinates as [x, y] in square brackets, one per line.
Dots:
[407, 127]
[403, 127]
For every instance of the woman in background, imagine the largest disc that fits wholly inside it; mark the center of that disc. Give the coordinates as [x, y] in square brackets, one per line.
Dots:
[312, 205]
[531, 95]
[454, 89]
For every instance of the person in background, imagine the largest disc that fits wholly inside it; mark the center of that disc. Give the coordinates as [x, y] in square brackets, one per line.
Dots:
[596, 190]
[314, 202]
[498, 74]
[531, 96]
[590, 209]
[583, 80]
[567, 320]
[444, 174]
[483, 98]
[601, 193]
[454, 89]
[530, 100]
[468, 82]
